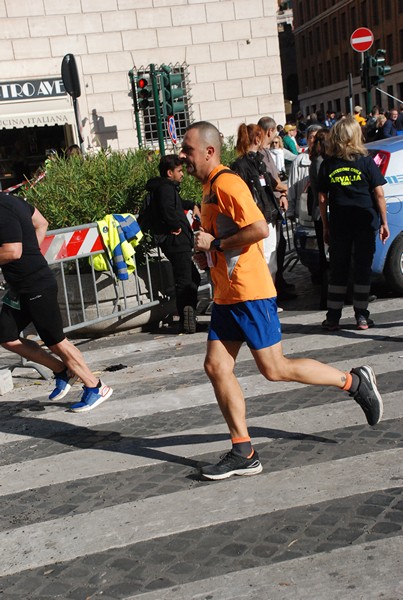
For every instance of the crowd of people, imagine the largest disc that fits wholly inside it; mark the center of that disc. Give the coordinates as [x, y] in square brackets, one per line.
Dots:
[241, 242]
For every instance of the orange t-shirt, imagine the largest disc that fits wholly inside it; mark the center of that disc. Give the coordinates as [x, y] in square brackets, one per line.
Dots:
[239, 274]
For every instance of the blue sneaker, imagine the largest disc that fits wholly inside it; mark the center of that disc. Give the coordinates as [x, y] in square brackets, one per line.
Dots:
[63, 385]
[91, 398]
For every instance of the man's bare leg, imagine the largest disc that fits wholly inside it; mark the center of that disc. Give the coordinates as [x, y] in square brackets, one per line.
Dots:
[219, 365]
[35, 353]
[71, 358]
[272, 363]
[74, 361]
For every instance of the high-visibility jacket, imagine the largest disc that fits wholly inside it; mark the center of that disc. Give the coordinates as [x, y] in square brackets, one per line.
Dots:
[120, 235]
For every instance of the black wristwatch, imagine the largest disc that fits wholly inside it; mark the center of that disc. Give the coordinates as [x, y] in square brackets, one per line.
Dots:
[216, 245]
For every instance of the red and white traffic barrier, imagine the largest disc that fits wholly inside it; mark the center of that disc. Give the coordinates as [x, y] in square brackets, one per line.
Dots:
[16, 187]
[71, 244]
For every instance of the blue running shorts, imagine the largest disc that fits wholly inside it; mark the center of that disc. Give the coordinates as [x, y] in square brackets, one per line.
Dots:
[254, 322]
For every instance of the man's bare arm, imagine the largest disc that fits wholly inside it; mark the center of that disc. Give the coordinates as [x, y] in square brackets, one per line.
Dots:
[40, 224]
[10, 252]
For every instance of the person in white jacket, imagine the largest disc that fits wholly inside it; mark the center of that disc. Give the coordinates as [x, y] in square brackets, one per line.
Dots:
[299, 173]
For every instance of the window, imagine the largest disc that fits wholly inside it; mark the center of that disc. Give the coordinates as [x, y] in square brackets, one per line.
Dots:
[391, 101]
[303, 46]
[345, 63]
[334, 31]
[328, 73]
[313, 73]
[301, 11]
[389, 50]
[353, 19]
[375, 11]
[400, 45]
[306, 80]
[388, 10]
[320, 75]
[337, 68]
[343, 25]
[364, 16]
[326, 35]
[318, 42]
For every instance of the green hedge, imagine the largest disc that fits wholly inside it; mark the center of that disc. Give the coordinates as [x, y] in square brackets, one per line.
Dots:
[83, 189]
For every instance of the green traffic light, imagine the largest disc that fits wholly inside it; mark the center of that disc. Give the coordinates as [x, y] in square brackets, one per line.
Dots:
[373, 70]
[172, 92]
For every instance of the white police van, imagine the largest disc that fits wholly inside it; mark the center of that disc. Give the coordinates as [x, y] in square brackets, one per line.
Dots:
[388, 259]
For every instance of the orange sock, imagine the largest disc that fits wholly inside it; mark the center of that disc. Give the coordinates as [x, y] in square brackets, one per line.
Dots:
[349, 381]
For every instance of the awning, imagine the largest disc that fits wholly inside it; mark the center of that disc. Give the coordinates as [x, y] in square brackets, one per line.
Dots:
[30, 114]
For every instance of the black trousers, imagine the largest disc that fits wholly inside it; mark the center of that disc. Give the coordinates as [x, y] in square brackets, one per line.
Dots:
[187, 279]
[352, 242]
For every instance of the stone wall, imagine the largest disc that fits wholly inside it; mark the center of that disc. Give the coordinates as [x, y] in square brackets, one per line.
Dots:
[231, 47]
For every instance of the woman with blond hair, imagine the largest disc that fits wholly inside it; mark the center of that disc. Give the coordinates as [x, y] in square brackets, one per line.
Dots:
[353, 208]
[277, 151]
[250, 166]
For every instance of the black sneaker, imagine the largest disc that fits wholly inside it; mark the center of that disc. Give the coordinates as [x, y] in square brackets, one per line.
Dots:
[233, 464]
[367, 395]
[189, 319]
[330, 325]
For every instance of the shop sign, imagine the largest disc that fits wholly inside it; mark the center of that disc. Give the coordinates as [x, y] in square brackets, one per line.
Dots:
[30, 120]
[32, 89]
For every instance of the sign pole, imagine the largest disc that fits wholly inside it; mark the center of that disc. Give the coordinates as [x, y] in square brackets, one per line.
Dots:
[361, 40]
[350, 92]
[160, 133]
[368, 91]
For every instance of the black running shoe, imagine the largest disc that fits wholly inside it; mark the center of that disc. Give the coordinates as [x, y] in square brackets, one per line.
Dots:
[189, 319]
[367, 395]
[233, 464]
[330, 325]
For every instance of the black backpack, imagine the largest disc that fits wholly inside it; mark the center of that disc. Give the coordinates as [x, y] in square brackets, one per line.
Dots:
[145, 216]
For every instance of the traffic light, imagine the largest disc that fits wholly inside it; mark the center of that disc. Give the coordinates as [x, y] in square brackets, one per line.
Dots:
[379, 67]
[172, 92]
[144, 92]
[373, 70]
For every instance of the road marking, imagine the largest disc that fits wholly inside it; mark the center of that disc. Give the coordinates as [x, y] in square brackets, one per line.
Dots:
[134, 453]
[353, 573]
[64, 539]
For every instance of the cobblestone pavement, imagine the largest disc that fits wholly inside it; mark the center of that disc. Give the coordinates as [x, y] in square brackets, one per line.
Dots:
[109, 505]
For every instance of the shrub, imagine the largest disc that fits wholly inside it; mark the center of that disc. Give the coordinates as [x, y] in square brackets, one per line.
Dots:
[82, 189]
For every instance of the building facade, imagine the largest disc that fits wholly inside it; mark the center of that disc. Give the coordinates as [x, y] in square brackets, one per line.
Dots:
[325, 57]
[230, 48]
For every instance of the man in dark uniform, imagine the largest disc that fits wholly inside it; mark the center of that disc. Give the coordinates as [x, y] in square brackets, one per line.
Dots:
[32, 298]
[174, 235]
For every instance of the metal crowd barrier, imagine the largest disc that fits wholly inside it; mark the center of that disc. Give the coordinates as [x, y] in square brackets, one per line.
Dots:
[291, 256]
[65, 249]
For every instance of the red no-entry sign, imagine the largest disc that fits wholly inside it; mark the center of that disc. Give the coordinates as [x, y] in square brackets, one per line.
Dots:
[362, 39]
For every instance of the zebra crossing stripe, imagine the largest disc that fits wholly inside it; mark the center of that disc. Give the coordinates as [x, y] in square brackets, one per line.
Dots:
[353, 573]
[82, 464]
[70, 537]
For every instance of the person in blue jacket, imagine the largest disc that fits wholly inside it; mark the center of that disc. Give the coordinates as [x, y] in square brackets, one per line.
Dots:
[391, 126]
